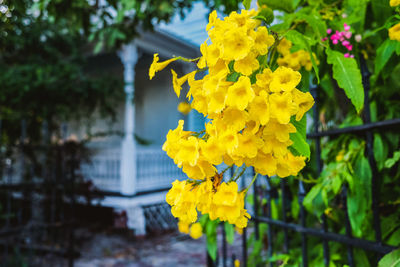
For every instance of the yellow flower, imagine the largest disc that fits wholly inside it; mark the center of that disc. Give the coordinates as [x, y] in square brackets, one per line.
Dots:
[394, 3]
[284, 79]
[280, 131]
[196, 231]
[282, 107]
[157, 66]
[283, 168]
[241, 222]
[203, 169]
[273, 145]
[264, 79]
[204, 196]
[211, 150]
[217, 100]
[259, 108]
[248, 144]
[175, 192]
[184, 108]
[188, 151]
[211, 20]
[234, 118]
[394, 32]
[171, 144]
[231, 159]
[182, 198]
[240, 93]
[228, 203]
[213, 54]
[340, 156]
[177, 83]
[200, 103]
[237, 263]
[236, 44]
[227, 194]
[284, 46]
[304, 101]
[265, 164]
[247, 65]
[203, 50]
[296, 163]
[229, 140]
[183, 227]
[243, 19]
[263, 40]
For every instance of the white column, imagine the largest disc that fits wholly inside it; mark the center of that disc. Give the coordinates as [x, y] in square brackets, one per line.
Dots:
[129, 57]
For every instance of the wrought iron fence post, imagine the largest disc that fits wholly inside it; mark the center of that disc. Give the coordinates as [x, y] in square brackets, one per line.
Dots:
[375, 183]
[244, 234]
[314, 93]
[268, 192]
[284, 219]
[301, 195]
[350, 257]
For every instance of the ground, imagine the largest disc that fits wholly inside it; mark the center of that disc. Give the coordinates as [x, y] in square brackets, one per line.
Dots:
[122, 250]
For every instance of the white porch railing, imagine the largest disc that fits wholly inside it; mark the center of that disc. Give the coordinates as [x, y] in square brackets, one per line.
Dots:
[155, 170]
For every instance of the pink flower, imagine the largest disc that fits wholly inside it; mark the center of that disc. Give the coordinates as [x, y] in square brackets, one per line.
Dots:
[349, 47]
[328, 31]
[335, 41]
[348, 35]
[352, 56]
[347, 55]
[346, 27]
[345, 43]
[324, 39]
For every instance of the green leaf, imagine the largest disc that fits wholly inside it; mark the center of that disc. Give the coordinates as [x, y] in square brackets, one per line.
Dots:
[265, 14]
[379, 151]
[304, 42]
[230, 232]
[284, 5]
[398, 49]
[212, 248]
[361, 258]
[315, 21]
[359, 199]
[246, 4]
[389, 163]
[211, 232]
[300, 144]
[313, 201]
[391, 259]
[383, 54]
[233, 77]
[348, 76]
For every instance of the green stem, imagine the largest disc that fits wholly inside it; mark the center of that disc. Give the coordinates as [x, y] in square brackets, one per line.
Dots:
[252, 181]
[188, 59]
[227, 168]
[241, 173]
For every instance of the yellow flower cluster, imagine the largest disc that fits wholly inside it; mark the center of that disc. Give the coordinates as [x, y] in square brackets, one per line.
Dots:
[394, 32]
[295, 60]
[219, 201]
[250, 108]
[394, 3]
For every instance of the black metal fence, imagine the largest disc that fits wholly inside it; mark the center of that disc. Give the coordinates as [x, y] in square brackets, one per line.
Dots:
[37, 200]
[262, 211]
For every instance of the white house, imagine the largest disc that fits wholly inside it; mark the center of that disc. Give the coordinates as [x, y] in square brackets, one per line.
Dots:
[137, 173]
